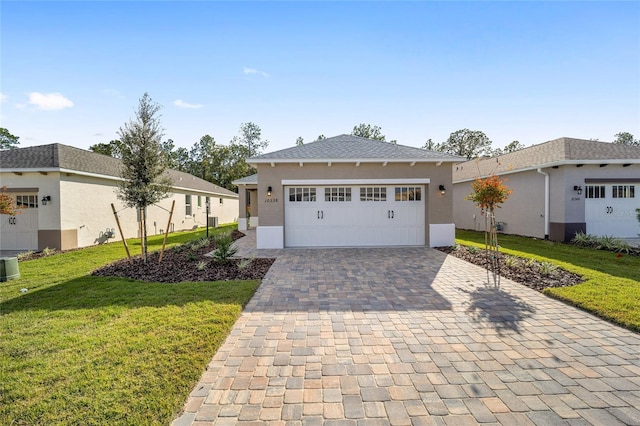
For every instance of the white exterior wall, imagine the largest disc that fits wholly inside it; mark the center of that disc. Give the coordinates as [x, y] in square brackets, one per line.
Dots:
[49, 215]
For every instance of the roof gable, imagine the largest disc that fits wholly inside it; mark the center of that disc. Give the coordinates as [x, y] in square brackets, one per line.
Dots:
[352, 148]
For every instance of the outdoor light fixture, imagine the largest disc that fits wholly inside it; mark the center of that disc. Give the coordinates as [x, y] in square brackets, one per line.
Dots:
[578, 189]
[45, 199]
[269, 191]
[442, 189]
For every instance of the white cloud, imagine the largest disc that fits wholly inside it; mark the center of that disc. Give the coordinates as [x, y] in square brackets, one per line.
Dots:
[3, 98]
[182, 104]
[250, 71]
[113, 92]
[49, 101]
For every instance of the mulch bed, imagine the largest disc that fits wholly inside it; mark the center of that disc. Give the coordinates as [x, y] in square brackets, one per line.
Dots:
[185, 263]
[523, 271]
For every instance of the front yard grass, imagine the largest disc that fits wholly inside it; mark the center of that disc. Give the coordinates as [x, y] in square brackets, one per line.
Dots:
[77, 349]
[612, 284]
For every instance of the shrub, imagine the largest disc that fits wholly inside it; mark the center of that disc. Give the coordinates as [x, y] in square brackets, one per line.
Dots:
[224, 247]
[547, 268]
[245, 263]
[201, 265]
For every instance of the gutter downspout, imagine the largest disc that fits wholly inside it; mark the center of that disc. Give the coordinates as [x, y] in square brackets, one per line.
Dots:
[546, 203]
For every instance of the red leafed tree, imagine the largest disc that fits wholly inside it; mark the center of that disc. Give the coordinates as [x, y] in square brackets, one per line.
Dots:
[7, 204]
[488, 193]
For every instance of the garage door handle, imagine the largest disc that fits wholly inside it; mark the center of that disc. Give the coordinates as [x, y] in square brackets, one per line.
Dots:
[321, 214]
[318, 214]
[388, 214]
[392, 214]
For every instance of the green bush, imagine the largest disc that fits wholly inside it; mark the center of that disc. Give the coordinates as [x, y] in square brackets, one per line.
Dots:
[224, 247]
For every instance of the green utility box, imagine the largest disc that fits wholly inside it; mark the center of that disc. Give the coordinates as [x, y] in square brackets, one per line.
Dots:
[9, 268]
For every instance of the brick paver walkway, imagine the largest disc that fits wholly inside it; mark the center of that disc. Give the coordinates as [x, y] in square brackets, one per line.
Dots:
[411, 336]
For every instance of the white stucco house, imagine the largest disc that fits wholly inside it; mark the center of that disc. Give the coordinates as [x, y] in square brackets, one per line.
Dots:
[559, 187]
[67, 193]
[348, 191]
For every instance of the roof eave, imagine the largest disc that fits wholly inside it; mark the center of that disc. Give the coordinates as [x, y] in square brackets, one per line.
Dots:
[253, 161]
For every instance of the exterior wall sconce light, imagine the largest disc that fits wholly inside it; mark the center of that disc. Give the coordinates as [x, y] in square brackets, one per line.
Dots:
[46, 199]
[269, 191]
[578, 189]
[442, 189]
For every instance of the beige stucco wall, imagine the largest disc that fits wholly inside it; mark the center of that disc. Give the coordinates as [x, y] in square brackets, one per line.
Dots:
[86, 207]
[439, 208]
[522, 213]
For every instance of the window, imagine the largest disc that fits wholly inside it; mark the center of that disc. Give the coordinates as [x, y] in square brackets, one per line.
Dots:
[594, 191]
[408, 193]
[302, 194]
[337, 194]
[187, 205]
[624, 191]
[27, 201]
[373, 194]
[199, 201]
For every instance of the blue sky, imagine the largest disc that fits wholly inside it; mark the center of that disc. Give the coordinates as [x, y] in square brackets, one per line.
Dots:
[72, 72]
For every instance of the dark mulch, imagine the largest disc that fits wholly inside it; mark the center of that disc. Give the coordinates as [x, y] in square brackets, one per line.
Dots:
[185, 263]
[533, 274]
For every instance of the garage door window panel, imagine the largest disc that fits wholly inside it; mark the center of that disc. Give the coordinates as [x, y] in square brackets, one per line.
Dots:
[302, 194]
[27, 201]
[410, 193]
[624, 191]
[337, 194]
[595, 191]
[373, 194]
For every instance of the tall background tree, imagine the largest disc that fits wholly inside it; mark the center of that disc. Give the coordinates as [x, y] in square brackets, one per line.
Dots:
[510, 147]
[144, 163]
[251, 138]
[299, 141]
[113, 148]
[7, 140]
[368, 131]
[626, 138]
[467, 143]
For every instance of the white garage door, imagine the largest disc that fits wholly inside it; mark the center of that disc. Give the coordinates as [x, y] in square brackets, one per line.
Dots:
[610, 210]
[20, 232]
[351, 216]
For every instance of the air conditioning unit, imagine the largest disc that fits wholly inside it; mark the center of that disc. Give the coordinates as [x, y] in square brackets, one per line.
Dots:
[213, 221]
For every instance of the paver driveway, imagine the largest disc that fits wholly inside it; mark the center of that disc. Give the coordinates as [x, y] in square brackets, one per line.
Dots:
[412, 336]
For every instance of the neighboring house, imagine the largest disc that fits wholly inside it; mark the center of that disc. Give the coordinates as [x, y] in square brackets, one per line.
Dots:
[349, 191]
[67, 194]
[559, 187]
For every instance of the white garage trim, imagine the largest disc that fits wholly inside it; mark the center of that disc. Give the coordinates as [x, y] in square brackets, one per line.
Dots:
[422, 181]
[270, 237]
[442, 234]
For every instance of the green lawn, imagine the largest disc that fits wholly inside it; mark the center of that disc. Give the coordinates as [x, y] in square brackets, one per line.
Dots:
[612, 286]
[77, 349]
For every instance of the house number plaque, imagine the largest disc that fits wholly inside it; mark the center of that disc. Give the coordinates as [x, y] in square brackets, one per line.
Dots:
[270, 200]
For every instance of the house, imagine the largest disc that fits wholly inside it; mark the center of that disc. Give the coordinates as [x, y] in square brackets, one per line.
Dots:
[559, 187]
[67, 193]
[349, 191]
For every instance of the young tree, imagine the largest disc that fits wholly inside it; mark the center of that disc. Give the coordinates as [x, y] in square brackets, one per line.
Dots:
[488, 193]
[7, 203]
[626, 138]
[468, 143]
[7, 140]
[144, 164]
[368, 131]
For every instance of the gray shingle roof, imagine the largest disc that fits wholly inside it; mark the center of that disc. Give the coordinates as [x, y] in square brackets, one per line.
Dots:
[349, 147]
[76, 159]
[247, 180]
[555, 152]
